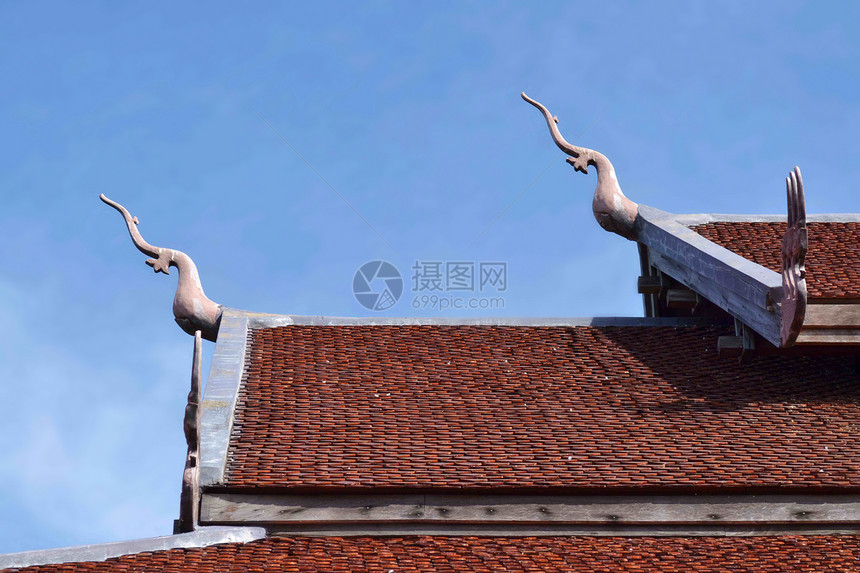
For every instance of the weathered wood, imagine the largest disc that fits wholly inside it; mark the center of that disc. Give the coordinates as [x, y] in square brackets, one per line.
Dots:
[219, 398]
[254, 321]
[613, 211]
[661, 232]
[554, 529]
[649, 285]
[763, 321]
[189, 499]
[236, 508]
[681, 298]
[747, 336]
[730, 346]
[795, 243]
[273, 509]
[649, 301]
[832, 315]
[834, 336]
[742, 288]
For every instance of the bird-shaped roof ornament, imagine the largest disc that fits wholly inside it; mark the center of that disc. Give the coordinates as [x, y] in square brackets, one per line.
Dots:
[613, 211]
[192, 309]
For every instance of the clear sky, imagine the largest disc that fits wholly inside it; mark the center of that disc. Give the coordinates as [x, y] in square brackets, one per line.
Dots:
[283, 145]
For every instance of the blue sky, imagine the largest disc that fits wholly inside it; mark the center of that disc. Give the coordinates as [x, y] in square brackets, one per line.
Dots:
[410, 112]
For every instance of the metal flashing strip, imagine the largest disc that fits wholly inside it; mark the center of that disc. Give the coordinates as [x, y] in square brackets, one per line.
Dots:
[694, 219]
[489, 514]
[203, 537]
[273, 321]
[219, 398]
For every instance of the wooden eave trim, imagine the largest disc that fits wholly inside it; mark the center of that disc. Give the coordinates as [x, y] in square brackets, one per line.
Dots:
[742, 288]
[219, 399]
[489, 513]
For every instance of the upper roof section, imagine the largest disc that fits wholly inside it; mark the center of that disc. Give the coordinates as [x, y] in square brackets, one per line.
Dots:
[832, 262]
[522, 407]
[766, 295]
[754, 272]
[739, 263]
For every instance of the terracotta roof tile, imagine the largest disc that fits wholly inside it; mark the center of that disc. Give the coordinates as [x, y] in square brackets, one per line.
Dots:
[832, 263]
[536, 407]
[484, 554]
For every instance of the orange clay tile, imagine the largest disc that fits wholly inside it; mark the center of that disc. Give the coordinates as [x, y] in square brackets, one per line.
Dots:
[537, 407]
[503, 554]
[832, 262]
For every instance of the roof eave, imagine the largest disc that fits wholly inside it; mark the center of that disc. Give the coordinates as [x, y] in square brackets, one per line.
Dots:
[742, 288]
[203, 537]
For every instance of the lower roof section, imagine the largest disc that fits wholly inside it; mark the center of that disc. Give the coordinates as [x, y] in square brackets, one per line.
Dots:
[401, 407]
[477, 554]
[63, 557]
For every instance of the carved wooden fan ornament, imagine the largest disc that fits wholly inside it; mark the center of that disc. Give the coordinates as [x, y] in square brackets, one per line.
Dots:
[795, 243]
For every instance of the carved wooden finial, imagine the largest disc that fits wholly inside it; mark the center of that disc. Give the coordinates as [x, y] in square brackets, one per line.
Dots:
[794, 246]
[614, 211]
[189, 500]
[191, 308]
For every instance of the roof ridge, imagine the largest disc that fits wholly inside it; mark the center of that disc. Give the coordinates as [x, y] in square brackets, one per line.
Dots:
[272, 321]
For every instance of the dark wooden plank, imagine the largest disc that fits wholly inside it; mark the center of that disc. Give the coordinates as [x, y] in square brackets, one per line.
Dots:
[681, 298]
[763, 321]
[649, 285]
[730, 346]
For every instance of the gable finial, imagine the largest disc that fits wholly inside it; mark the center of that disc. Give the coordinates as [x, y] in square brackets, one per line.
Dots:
[613, 211]
[191, 307]
[794, 246]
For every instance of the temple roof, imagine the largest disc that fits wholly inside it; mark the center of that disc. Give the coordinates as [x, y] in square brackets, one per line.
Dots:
[536, 444]
[573, 407]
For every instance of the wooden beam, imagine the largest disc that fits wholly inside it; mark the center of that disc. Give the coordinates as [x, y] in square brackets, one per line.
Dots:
[660, 231]
[765, 322]
[830, 336]
[739, 286]
[649, 302]
[681, 298]
[225, 508]
[730, 346]
[649, 284]
[715, 529]
[832, 315]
